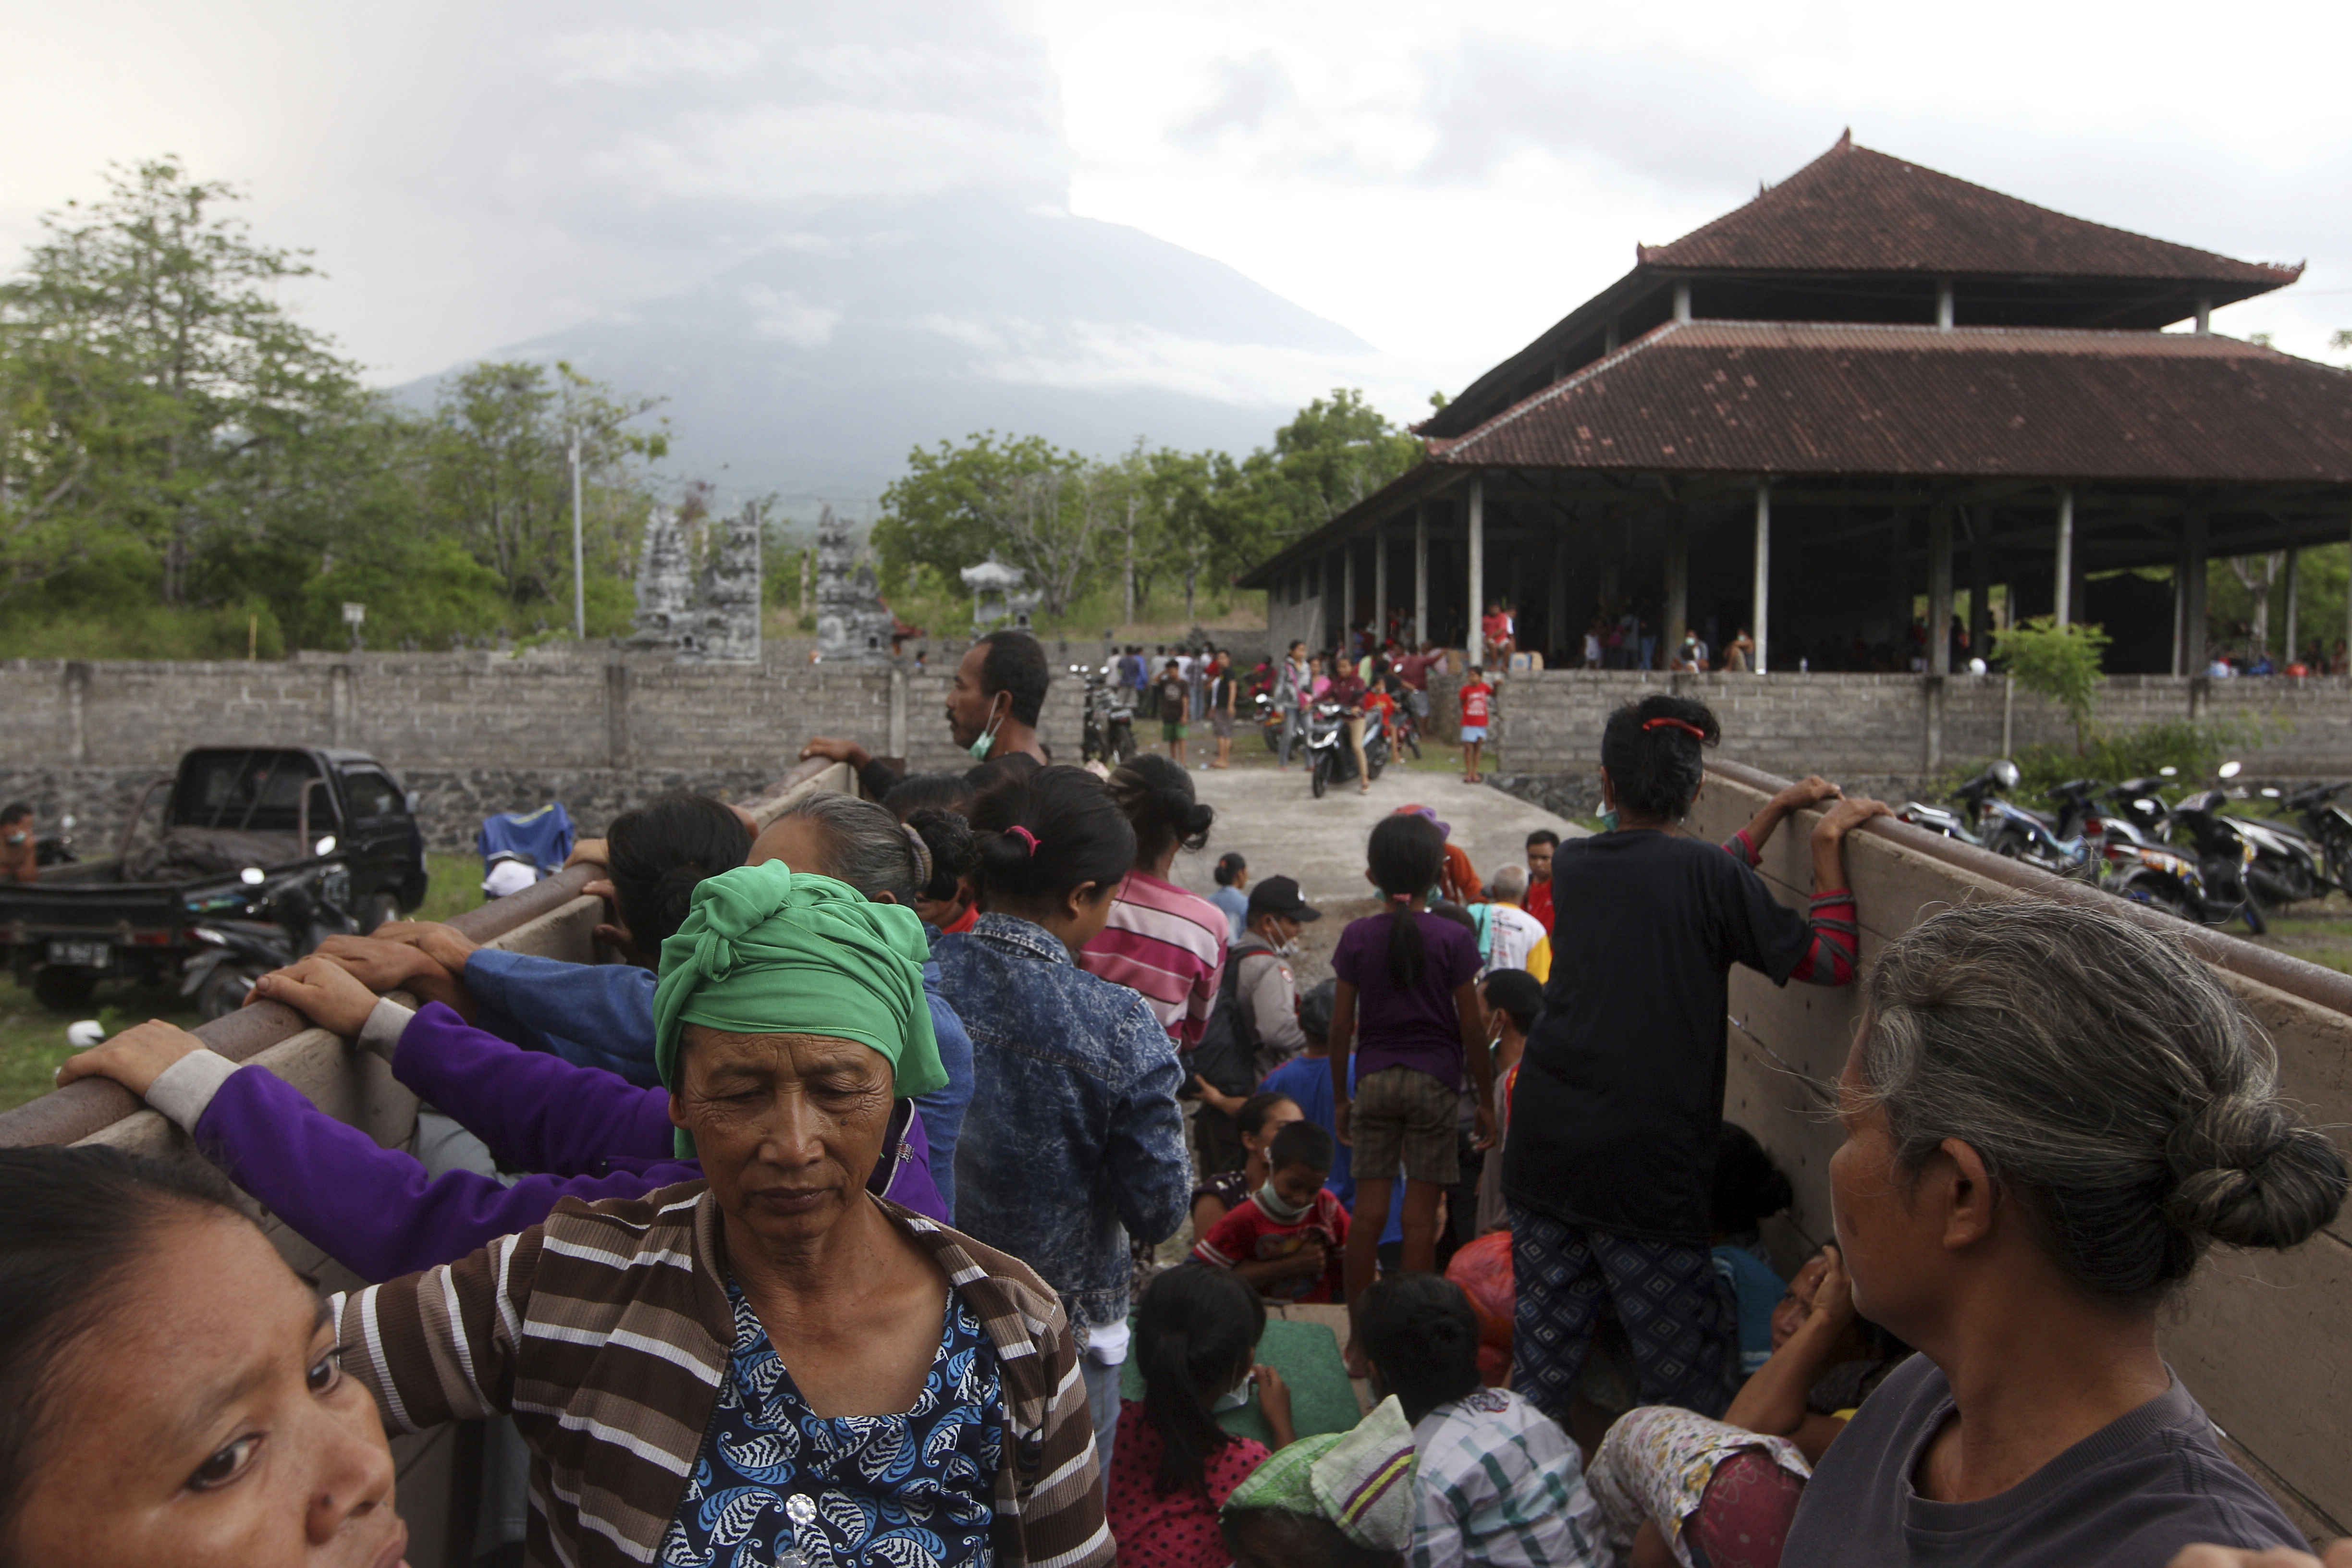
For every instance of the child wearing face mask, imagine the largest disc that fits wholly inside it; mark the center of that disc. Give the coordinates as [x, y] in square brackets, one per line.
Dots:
[1288, 1238]
[1172, 1468]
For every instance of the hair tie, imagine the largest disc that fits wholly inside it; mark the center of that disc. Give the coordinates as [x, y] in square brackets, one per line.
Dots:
[1025, 837]
[1685, 725]
[922, 855]
[1400, 897]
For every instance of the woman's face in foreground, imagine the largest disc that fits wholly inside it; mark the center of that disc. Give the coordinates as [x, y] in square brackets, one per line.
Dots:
[788, 1127]
[205, 1420]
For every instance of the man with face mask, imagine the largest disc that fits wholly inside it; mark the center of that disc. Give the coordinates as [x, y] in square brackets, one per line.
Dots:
[19, 853]
[1277, 914]
[993, 708]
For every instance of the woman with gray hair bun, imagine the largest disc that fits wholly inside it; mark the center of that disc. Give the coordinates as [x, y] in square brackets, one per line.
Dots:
[2051, 1113]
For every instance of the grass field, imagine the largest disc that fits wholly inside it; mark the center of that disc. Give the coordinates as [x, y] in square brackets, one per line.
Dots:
[33, 1038]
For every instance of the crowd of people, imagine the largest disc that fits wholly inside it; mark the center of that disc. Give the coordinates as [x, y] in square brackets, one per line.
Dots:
[835, 1226]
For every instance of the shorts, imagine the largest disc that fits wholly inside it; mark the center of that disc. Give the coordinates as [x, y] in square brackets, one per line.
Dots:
[1220, 724]
[1173, 729]
[1403, 1116]
[1473, 733]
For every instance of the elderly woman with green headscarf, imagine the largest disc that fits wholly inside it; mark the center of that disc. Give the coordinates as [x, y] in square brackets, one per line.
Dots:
[774, 1366]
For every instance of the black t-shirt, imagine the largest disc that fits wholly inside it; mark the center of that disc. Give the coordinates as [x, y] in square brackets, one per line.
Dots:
[1620, 1097]
[2130, 1495]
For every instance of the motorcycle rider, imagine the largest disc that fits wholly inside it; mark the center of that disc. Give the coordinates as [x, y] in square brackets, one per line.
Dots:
[1348, 690]
[1290, 699]
[19, 850]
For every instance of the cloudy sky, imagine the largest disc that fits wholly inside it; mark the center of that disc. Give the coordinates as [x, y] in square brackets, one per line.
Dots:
[1444, 181]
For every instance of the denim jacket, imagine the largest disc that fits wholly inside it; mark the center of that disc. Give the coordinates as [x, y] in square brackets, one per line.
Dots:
[1073, 1130]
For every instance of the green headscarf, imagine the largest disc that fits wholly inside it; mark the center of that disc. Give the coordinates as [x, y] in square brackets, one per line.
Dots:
[1361, 1480]
[769, 950]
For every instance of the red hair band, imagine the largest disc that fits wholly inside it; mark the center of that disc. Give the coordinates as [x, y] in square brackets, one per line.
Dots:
[1025, 837]
[1685, 725]
[1400, 897]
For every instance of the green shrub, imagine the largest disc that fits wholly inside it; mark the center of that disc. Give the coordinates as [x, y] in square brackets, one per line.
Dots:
[2061, 663]
[2195, 749]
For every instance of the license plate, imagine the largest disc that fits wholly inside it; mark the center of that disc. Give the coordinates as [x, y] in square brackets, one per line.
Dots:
[82, 955]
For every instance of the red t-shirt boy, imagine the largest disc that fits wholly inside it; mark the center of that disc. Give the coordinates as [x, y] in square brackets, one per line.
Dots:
[1271, 1238]
[1477, 705]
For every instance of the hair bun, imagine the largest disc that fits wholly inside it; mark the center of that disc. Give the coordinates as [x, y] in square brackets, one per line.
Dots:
[2246, 1174]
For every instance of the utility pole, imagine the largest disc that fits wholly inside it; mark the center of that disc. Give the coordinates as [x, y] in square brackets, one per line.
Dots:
[579, 551]
[1130, 558]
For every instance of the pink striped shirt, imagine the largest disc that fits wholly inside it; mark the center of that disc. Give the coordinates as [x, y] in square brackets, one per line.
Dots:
[1166, 944]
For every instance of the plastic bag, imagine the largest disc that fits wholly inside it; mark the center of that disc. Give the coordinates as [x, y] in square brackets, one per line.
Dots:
[1482, 1269]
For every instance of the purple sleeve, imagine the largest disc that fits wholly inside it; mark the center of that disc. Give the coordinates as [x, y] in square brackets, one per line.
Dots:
[536, 1112]
[374, 1209]
[1466, 962]
[1345, 955]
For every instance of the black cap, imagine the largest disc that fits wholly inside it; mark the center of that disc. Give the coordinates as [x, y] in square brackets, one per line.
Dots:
[1280, 896]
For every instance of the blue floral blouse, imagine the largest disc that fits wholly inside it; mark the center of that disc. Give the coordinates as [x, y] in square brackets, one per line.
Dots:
[778, 1484]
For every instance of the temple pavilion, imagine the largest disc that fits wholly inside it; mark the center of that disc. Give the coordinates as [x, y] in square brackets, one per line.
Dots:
[1871, 385]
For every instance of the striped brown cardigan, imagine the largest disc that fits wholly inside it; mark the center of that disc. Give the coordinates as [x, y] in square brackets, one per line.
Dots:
[605, 1333]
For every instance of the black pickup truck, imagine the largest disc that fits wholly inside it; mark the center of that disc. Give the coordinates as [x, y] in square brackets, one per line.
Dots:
[238, 821]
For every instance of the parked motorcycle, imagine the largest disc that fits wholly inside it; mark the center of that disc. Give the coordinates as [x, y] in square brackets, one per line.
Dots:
[1965, 820]
[1109, 733]
[1327, 746]
[2288, 866]
[56, 848]
[2214, 844]
[2327, 825]
[282, 920]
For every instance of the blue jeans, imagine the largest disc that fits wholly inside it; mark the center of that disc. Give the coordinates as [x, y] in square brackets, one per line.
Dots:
[1102, 1404]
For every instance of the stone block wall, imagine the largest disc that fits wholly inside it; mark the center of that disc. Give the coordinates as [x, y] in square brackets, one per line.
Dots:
[1904, 726]
[473, 733]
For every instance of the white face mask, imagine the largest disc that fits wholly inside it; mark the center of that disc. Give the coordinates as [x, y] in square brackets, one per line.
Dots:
[987, 737]
[1235, 1398]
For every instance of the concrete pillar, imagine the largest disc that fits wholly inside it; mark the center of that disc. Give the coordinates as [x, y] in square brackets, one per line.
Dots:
[1562, 638]
[77, 715]
[617, 681]
[1420, 573]
[2192, 553]
[341, 725]
[1760, 600]
[2293, 563]
[2061, 593]
[2204, 316]
[1477, 571]
[1609, 340]
[1940, 589]
[1682, 300]
[897, 729]
[1944, 305]
[1379, 582]
[1347, 590]
[1980, 586]
[1677, 578]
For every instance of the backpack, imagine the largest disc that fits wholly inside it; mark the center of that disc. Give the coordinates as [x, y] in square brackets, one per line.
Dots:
[1227, 1053]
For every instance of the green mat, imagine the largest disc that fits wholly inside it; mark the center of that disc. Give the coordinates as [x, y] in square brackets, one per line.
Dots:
[1307, 1356]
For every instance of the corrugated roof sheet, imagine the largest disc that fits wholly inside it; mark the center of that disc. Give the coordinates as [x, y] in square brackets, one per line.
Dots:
[1788, 398]
[1856, 210]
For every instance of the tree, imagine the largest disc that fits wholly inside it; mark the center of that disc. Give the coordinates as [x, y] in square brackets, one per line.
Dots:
[500, 471]
[2061, 663]
[154, 386]
[1021, 498]
[1333, 453]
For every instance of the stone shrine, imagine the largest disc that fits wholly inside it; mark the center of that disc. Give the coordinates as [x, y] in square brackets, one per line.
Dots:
[997, 595]
[853, 624]
[712, 615]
